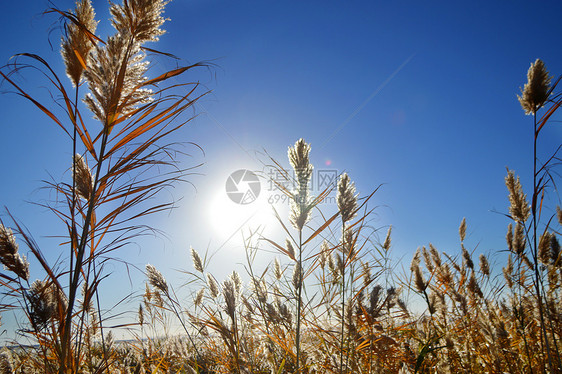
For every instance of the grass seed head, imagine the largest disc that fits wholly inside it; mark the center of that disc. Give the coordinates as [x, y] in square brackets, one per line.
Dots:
[467, 258]
[427, 260]
[415, 260]
[347, 198]
[462, 229]
[554, 250]
[435, 256]
[77, 43]
[388, 240]
[323, 255]
[197, 263]
[237, 282]
[213, 286]
[473, 287]
[229, 294]
[83, 179]
[139, 18]
[290, 248]
[299, 159]
[536, 91]
[519, 208]
[297, 276]
[9, 255]
[156, 279]
[519, 241]
[140, 315]
[45, 302]
[509, 237]
[544, 248]
[277, 269]
[419, 281]
[199, 297]
[6, 362]
[484, 265]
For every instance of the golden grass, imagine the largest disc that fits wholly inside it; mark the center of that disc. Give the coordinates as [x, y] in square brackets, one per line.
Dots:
[330, 303]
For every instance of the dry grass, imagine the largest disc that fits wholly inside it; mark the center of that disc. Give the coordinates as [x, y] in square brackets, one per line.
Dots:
[330, 302]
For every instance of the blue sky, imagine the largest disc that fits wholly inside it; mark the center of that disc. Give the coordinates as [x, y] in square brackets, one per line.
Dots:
[423, 95]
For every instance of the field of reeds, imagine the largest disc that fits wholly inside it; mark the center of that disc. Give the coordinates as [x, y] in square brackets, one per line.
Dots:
[328, 303]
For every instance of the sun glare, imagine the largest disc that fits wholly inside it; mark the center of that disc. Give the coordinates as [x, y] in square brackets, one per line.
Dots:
[228, 218]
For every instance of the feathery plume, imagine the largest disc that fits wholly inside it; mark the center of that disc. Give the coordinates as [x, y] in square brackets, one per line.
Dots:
[419, 281]
[387, 240]
[323, 255]
[536, 90]
[156, 279]
[554, 250]
[435, 256]
[484, 265]
[462, 229]
[509, 237]
[427, 260]
[473, 287]
[290, 248]
[6, 362]
[229, 294]
[9, 255]
[83, 179]
[544, 248]
[260, 289]
[199, 297]
[213, 286]
[415, 260]
[445, 275]
[77, 43]
[44, 301]
[117, 69]
[367, 279]
[519, 208]
[348, 241]
[277, 269]
[332, 265]
[519, 241]
[141, 315]
[299, 159]
[467, 257]
[237, 282]
[297, 275]
[347, 199]
[139, 18]
[197, 263]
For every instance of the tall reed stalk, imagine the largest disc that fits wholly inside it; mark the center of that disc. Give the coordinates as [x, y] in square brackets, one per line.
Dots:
[535, 95]
[134, 115]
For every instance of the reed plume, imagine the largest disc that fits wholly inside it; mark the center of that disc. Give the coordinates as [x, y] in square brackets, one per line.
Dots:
[156, 279]
[83, 179]
[79, 41]
[537, 89]
[347, 199]
[519, 208]
[299, 158]
[197, 263]
[9, 255]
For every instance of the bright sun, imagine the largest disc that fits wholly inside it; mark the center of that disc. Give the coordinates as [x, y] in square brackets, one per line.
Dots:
[228, 217]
